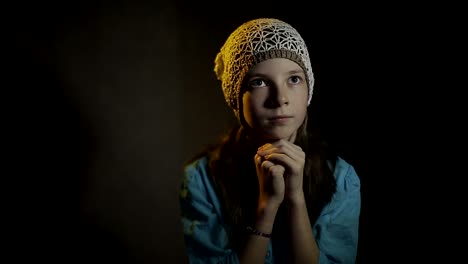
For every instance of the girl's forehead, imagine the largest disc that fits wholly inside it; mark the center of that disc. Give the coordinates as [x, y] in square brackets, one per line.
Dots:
[276, 65]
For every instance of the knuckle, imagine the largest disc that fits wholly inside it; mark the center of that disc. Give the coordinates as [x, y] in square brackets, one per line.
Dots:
[266, 165]
[276, 169]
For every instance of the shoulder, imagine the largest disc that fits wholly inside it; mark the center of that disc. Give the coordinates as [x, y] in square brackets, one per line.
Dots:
[346, 177]
[196, 171]
[195, 179]
[346, 201]
[198, 165]
[198, 189]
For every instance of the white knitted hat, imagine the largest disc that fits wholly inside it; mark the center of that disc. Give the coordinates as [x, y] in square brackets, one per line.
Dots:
[255, 41]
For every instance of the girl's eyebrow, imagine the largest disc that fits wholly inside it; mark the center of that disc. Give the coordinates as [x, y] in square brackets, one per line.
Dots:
[295, 72]
[298, 71]
[258, 75]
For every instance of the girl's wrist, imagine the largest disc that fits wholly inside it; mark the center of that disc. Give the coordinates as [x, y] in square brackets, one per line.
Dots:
[295, 199]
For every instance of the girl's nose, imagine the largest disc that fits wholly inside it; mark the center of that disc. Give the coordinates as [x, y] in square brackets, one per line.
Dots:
[278, 96]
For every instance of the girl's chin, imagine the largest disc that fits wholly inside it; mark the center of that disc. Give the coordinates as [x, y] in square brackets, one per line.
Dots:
[279, 136]
[272, 135]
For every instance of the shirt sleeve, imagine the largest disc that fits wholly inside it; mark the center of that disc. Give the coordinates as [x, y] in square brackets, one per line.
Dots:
[336, 230]
[205, 235]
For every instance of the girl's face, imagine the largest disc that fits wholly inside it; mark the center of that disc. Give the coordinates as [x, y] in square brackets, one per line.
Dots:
[275, 99]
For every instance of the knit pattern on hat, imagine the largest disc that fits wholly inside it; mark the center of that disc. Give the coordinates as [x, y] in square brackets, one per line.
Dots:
[255, 41]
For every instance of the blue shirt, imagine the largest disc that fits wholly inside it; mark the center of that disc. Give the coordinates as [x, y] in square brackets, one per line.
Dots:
[206, 237]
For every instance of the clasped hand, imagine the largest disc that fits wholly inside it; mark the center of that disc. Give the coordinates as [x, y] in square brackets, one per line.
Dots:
[279, 167]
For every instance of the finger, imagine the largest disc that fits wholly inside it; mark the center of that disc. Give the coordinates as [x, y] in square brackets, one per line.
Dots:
[287, 144]
[276, 171]
[287, 149]
[278, 144]
[265, 147]
[258, 160]
[261, 162]
[266, 165]
[268, 148]
[282, 159]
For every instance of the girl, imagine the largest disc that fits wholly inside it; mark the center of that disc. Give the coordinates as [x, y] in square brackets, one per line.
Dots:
[269, 191]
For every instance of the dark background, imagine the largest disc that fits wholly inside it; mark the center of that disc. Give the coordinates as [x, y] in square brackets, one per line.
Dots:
[113, 96]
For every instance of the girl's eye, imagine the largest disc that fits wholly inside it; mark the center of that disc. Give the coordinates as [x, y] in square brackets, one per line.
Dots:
[257, 83]
[295, 79]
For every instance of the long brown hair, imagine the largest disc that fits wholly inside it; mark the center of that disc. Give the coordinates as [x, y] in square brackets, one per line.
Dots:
[232, 169]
